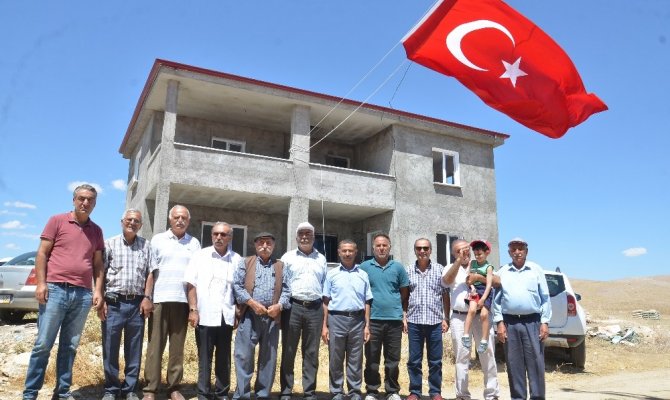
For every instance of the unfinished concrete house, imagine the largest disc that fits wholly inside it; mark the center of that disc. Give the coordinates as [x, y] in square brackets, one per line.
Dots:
[247, 152]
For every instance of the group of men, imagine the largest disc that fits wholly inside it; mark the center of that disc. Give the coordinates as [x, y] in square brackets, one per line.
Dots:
[355, 309]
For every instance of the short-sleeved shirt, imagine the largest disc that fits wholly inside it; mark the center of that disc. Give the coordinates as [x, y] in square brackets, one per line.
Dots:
[458, 289]
[425, 305]
[74, 245]
[385, 284]
[305, 273]
[212, 275]
[172, 256]
[127, 265]
[347, 289]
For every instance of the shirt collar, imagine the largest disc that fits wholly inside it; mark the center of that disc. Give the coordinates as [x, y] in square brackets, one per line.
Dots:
[416, 266]
[354, 269]
[300, 252]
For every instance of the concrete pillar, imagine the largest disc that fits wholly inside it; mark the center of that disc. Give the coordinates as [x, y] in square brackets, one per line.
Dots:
[299, 206]
[167, 155]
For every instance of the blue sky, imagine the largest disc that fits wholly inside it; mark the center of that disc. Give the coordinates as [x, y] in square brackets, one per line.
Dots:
[593, 203]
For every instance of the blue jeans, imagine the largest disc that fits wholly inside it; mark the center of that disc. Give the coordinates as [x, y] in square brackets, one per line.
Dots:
[122, 317]
[431, 335]
[66, 309]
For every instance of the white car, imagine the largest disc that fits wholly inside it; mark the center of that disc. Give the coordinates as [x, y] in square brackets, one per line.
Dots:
[567, 328]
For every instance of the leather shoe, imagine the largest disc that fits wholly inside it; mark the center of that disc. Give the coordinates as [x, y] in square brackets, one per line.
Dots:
[176, 396]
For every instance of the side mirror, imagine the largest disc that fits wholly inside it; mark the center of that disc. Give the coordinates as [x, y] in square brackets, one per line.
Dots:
[578, 296]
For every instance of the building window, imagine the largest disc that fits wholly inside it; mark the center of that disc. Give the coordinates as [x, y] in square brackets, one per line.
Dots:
[337, 161]
[327, 245]
[443, 242]
[446, 167]
[239, 237]
[227, 144]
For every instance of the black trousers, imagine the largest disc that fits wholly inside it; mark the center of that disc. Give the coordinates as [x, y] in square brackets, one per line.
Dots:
[385, 336]
[214, 345]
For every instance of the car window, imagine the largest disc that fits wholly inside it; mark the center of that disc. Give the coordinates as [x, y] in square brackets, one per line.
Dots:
[555, 284]
[23, 259]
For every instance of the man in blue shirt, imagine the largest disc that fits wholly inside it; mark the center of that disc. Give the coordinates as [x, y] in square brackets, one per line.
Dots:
[521, 310]
[390, 288]
[346, 299]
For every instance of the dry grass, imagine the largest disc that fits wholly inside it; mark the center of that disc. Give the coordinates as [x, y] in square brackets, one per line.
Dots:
[606, 303]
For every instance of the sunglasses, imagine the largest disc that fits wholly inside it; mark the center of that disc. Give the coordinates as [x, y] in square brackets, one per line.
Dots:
[424, 248]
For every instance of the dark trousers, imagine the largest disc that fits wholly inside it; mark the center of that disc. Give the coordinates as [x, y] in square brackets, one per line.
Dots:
[306, 322]
[430, 336]
[384, 336]
[123, 317]
[524, 356]
[214, 345]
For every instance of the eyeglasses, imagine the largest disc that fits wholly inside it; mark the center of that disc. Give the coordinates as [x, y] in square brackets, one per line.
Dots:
[132, 221]
[424, 248]
[224, 234]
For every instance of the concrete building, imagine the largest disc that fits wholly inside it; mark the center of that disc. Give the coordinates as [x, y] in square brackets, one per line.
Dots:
[250, 153]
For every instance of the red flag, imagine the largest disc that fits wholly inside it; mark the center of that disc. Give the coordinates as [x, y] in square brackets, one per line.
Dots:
[510, 63]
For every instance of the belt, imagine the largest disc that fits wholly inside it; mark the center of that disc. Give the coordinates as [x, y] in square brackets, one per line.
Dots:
[535, 317]
[67, 285]
[463, 312]
[357, 313]
[304, 303]
[114, 297]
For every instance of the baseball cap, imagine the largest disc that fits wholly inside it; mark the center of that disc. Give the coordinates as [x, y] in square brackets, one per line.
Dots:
[484, 242]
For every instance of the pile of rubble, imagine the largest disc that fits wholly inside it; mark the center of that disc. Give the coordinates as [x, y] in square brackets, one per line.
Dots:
[630, 336]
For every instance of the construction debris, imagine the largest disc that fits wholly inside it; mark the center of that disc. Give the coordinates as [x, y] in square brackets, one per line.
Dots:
[648, 314]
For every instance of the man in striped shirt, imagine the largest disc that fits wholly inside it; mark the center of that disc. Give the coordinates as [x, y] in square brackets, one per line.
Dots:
[425, 321]
[172, 251]
[129, 283]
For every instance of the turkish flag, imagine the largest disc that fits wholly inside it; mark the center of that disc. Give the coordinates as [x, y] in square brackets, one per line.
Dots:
[510, 63]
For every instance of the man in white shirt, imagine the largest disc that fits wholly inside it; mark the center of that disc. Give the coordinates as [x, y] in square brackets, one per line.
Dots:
[306, 272]
[456, 278]
[209, 278]
[172, 251]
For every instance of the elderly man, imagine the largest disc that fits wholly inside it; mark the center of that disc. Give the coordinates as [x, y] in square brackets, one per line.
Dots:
[458, 278]
[172, 251]
[261, 293]
[129, 284]
[68, 258]
[346, 323]
[305, 268]
[389, 283]
[425, 321]
[209, 279]
[522, 310]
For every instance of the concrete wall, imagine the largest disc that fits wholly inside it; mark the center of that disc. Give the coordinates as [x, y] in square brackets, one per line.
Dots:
[375, 154]
[318, 154]
[258, 141]
[424, 208]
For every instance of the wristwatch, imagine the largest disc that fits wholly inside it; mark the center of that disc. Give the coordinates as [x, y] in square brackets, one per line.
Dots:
[148, 297]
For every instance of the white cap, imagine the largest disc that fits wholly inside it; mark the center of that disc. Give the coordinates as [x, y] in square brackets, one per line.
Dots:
[304, 226]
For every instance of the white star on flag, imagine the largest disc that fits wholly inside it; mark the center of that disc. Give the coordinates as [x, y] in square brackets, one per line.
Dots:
[512, 71]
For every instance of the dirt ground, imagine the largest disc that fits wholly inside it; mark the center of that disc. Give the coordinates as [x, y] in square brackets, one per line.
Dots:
[611, 372]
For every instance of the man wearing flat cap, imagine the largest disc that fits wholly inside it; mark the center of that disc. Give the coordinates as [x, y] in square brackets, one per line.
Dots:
[306, 272]
[522, 310]
[261, 293]
[209, 279]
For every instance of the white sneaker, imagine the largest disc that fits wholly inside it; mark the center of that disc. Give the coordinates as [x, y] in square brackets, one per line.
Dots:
[393, 396]
[370, 397]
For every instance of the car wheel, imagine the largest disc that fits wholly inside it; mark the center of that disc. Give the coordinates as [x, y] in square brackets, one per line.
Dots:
[578, 355]
[12, 316]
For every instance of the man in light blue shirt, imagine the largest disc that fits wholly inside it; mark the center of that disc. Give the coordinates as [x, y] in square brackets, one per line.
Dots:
[521, 310]
[346, 322]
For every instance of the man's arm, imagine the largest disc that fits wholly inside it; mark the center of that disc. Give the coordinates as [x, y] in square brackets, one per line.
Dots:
[325, 336]
[99, 275]
[147, 306]
[43, 253]
[193, 316]
[446, 307]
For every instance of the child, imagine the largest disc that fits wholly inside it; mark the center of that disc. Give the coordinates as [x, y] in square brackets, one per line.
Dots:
[480, 294]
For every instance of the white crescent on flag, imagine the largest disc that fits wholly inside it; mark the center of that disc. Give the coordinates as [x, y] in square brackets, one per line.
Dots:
[455, 37]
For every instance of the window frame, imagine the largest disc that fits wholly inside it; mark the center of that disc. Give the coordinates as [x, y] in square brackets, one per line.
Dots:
[228, 142]
[457, 169]
[334, 156]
